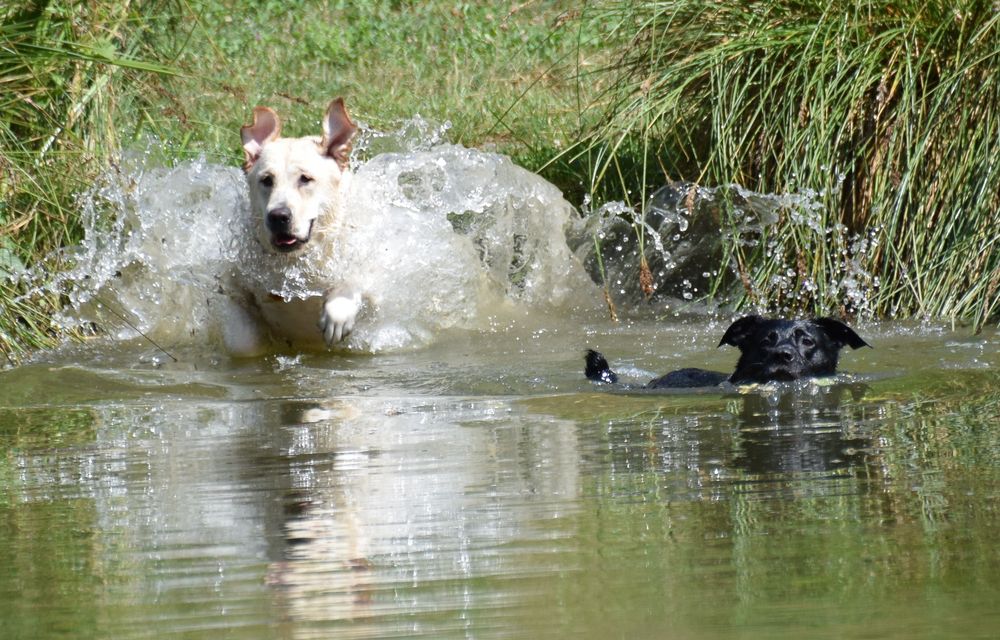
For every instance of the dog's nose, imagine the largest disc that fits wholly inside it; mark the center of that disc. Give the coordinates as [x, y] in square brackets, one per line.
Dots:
[785, 354]
[279, 218]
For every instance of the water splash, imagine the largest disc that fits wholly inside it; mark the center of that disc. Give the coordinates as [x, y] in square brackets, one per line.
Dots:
[414, 134]
[438, 235]
[687, 231]
[154, 249]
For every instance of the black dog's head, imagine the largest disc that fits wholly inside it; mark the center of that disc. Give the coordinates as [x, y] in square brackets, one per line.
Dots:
[787, 349]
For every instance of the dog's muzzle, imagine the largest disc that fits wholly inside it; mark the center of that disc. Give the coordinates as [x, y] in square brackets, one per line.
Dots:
[783, 365]
[279, 223]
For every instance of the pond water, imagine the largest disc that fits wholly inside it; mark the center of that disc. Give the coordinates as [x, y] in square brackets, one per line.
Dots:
[481, 488]
[450, 473]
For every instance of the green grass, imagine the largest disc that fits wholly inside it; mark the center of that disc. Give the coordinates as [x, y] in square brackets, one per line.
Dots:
[495, 72]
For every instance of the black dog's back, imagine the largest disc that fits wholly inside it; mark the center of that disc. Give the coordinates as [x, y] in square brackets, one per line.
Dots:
[770, 350]
[688, 378]
[598, 370]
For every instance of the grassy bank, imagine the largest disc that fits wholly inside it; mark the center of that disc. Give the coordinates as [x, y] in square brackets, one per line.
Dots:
[883, 112]
[68, 72]
[495, 72]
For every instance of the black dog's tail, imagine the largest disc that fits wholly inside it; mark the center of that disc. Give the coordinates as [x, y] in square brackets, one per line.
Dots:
[597, 368]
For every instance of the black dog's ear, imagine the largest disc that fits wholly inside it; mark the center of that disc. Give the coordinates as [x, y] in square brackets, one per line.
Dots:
[840, 333]
[738, 332]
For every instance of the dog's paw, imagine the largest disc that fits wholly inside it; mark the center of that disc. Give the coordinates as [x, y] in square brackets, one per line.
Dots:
[339, 314]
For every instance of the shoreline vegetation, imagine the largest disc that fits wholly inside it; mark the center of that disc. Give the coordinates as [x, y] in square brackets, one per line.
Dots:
[884, 112]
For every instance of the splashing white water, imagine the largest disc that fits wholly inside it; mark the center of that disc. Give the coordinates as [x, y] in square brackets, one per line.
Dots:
[437, 235]
[682, 233]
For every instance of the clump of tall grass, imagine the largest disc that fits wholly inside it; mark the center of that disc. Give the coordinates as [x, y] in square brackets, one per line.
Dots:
[885, 113]
[68, 73]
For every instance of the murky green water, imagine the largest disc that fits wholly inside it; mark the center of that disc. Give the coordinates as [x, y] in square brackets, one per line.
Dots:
[481, 488]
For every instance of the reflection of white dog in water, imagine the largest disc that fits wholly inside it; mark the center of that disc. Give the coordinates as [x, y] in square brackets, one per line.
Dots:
[415, 242]
[296, 195]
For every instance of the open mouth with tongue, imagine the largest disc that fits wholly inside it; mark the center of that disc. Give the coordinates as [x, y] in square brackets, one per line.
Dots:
[287, 242]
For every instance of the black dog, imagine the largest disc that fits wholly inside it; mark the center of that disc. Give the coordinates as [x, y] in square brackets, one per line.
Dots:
[770, 350]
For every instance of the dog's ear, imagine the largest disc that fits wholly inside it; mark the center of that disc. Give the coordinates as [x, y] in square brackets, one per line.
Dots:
[337, 133]
[738, 332]
[840, 333]
[266, 127]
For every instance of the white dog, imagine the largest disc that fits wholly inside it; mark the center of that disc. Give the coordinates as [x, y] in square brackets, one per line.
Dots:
[297, 187]
[416, 243]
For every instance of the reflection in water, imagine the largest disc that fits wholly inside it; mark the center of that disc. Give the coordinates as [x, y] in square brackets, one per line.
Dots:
[343, 510]
[766, 440]
[402, 502]
[297, 499]
[808, 428]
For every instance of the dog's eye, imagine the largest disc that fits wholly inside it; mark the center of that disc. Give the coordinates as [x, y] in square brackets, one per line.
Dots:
[771, 337]
[267, 180]
[304, 180]
[804, 338]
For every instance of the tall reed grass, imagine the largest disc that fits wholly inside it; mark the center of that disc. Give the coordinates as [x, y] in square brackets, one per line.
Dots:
[886, 113]
[68, 73]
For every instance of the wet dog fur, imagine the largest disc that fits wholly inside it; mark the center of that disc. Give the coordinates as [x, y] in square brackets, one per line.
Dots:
[770, 350]
[296, 188]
